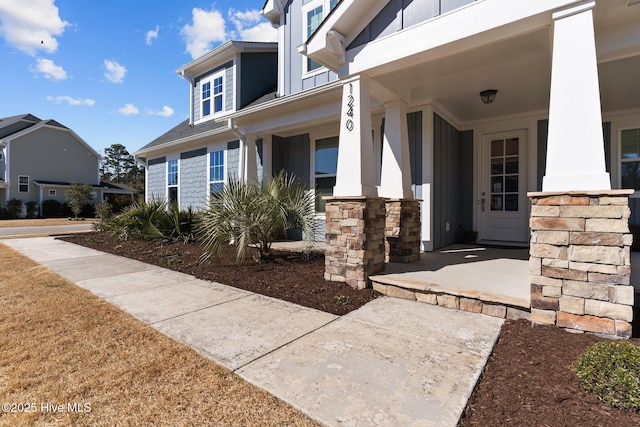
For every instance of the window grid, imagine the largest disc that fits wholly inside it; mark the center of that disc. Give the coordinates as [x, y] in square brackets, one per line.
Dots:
[206, 98]
[172, 173]
[23, 183]
[216, 171]
[326, 167]
[630, 159]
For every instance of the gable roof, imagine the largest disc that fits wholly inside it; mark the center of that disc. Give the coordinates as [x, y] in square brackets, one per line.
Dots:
[184, 132]
[14, 124]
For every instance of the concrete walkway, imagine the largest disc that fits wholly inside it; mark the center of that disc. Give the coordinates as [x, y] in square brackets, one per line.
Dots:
[391, 363]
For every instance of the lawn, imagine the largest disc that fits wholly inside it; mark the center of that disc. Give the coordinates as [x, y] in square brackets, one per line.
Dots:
[62, 349]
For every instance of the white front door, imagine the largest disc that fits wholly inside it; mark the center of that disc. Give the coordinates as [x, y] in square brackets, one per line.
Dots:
[504, 207]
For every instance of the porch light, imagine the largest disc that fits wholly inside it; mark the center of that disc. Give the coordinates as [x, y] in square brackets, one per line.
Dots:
[488, 95]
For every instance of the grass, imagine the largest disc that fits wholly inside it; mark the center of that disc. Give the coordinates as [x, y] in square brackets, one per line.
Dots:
[60, 344]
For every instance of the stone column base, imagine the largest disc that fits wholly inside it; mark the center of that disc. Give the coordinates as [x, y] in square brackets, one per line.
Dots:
[580, 261]
[355, 239]
[402, 230]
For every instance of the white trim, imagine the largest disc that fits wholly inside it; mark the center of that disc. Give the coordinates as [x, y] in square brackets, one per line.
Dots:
[210, 79]
[166, 178]
[21, 184]
[52, 193]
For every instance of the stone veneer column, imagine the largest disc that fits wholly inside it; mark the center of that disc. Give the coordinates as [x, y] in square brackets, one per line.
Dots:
[402, 230]
[355, 239]
[580, 261]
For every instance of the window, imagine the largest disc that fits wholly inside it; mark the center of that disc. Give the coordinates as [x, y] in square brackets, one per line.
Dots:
[315, 17]
[23, 183]
[52, 193]
[216, 98]
[216, 171]
[326, 165]
[505, 155]
[172, 180]
[630, 162]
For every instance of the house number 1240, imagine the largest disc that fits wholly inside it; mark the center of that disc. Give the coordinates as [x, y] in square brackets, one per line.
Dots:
[350, 113]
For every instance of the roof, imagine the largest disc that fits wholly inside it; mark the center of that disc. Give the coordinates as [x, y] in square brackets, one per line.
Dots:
[184, 131]
[102, 185]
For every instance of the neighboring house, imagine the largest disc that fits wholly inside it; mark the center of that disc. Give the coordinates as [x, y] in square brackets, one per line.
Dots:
[202, 153]
[471, 163]
[39, 159]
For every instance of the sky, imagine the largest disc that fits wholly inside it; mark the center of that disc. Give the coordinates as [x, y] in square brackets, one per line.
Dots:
[107, 69]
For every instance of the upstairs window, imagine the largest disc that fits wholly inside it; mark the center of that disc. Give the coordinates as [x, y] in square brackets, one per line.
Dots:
[314, 17]
[630, 162]
[216, 171]
[212, 95]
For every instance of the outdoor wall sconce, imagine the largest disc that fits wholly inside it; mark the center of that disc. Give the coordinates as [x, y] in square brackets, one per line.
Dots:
[488, 95]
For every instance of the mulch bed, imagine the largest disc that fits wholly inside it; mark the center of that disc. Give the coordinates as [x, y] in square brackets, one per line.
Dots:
[288, 276]
[527, 382]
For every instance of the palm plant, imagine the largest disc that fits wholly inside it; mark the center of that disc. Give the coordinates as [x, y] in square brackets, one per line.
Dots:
[248, 214]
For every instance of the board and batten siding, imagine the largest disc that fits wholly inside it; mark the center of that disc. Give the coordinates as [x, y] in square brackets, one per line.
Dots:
[258, 76]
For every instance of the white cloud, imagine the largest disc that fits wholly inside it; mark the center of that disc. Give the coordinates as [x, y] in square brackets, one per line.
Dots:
[50, 70]
[128, 110]
[165, 112]
[251, 26]
[115, 72]
[151, 36]
[207, 28]
[31, 26]
[71, 101]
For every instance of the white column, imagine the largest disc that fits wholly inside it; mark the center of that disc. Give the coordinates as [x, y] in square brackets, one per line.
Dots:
[395, 181]
[356, 169]
[575, 148]
[250, 172]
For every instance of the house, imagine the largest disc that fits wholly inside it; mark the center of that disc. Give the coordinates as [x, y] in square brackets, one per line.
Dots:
[203, 152]
[517, 120]
[39, 159]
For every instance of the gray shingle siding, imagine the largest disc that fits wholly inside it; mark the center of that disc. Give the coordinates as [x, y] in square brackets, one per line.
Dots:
[193, 179]
[233, 159]
[228, 90]
[157, 178]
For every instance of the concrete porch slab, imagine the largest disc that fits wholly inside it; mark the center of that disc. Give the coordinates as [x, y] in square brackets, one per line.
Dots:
[388, 363]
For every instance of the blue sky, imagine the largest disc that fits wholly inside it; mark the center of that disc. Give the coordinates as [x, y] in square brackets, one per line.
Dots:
[106, 69]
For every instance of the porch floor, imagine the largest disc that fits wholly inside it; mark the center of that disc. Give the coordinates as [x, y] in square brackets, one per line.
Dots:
[490, 275]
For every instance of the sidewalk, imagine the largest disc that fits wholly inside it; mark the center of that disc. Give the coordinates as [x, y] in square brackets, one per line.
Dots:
[391, 363]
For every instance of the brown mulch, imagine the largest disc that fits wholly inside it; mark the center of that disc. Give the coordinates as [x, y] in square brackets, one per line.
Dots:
[527, 382]
[287, 276]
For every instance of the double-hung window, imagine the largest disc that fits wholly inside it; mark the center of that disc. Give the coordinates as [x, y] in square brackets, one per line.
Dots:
[23, 183]
[326, 166]
[630, 161]
[172, 180]
[213, 95]
[216, 171]
[314, 17]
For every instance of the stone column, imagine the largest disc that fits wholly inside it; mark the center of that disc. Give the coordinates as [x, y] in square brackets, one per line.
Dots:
[580, 261]
[402, 230]
[355, 239]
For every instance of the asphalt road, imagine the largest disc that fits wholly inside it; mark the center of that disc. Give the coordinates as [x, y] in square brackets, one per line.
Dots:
[44, 230]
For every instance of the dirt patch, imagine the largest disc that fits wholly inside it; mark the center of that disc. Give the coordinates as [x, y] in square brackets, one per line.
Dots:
[286, 275]
[69, 358]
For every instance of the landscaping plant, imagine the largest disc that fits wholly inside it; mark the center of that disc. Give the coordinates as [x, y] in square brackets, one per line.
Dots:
[78, 196]
[611, 370]
[250, 214]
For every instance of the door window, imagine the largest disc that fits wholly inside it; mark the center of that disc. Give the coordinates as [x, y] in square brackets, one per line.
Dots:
[505, 160]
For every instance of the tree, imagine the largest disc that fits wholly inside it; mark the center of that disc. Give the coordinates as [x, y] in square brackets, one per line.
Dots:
[78, 196]
[121, 167]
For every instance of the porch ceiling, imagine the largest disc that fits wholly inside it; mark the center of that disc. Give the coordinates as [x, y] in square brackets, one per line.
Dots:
[519, 68]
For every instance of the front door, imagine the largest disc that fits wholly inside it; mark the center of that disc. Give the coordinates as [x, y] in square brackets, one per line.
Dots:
[504, 207]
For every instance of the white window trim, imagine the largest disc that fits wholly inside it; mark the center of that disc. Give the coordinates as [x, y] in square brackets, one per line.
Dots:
[210, 79]
[21, 184]
[619, 160]
[305, 10]
[52, 193]
[224, 175]
[166, 180]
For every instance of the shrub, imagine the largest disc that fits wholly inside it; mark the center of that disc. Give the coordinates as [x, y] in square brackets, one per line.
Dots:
[103, 210]
[611, 370]
[32, 209]
[14, 208]
[247, 214]
[78, 196]
[51, 208]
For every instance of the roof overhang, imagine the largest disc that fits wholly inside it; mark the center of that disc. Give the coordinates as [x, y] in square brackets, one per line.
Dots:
[273, 11]
[192, 138]
[222, 54]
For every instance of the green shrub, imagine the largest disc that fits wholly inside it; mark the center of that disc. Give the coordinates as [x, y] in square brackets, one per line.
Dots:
[611, 370]
[32, 209]
[103, 210]
[14, 208]
[51, 208]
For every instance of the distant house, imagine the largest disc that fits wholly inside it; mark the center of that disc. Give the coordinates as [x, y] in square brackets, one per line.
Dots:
[200, 154]
[39, 159]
